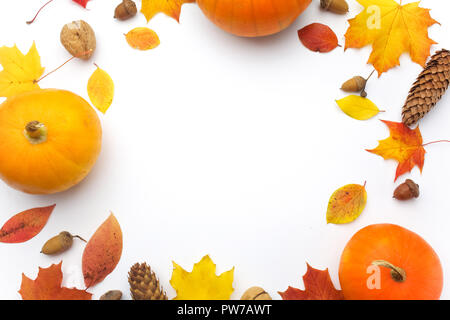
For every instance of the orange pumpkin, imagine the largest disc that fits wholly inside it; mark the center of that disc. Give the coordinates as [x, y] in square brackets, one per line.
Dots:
[253, 18]
[49, 140]
[388, 262]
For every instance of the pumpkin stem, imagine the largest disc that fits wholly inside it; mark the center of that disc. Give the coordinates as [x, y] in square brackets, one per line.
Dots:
[397, 273]
[35, 132]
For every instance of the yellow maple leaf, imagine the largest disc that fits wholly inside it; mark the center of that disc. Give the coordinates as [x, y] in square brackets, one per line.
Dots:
[101, 90]
[202, 283]
[392, 29]
[172, 8]
[20, 72]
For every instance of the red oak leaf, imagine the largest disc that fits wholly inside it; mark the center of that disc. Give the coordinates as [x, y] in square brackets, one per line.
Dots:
[318, 286]
[47, 286]
[25, 225]
[318, 37]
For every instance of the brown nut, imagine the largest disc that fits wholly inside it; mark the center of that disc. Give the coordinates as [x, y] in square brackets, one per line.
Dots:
[60, 243]
[112, 295]
[256, 293]
[336, 6]
[79, 39]
[126, 10]
[355, 84]
[407, 190]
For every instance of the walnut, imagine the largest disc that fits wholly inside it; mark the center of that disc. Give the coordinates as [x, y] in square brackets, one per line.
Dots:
[78, 38]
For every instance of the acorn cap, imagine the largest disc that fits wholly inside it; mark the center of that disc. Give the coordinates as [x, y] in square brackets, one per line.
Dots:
[355, 84]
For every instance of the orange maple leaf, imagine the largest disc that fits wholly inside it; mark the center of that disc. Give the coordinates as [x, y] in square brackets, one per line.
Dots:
[172, 8]
[392, 29]
[404, 145]
[47, 286]
[318, 286]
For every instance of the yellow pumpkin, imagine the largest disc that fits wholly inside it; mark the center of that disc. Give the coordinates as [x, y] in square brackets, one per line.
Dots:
[49, 140]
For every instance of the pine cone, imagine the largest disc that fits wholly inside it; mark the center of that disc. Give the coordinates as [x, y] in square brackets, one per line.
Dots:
[144, 285]
[428, 89]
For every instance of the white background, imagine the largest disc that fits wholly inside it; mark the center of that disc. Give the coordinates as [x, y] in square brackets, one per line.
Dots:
[226, 146]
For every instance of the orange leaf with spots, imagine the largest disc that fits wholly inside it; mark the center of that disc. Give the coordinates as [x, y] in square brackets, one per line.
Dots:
[103, 252]
[404, 145]
[318, 286]
[142, 38]
[346, 204]
[47, 286]
[25, 225]
[172, 8]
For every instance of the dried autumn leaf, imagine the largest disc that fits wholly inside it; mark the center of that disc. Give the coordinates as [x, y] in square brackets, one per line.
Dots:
[404, 145]
[103, 252]
[47, 286]
[202, 283]
[392, 29]
[25, 225]
[142, 38]
[82, 3]
[318, 37]
[101, 90]
[318, 286]
[346, 204]
[20, 72]
[172, 8]
[357, 107]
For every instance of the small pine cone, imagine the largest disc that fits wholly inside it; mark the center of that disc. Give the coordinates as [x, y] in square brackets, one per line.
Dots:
[144, 285]
[428, 89]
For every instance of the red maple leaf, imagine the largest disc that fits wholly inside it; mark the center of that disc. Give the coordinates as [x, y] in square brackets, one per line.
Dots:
[318, 286]
[47, 286]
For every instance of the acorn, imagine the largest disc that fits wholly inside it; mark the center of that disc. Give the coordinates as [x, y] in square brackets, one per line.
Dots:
[355, 84]
[336, 6]
[60, 243]
[126, 10]
[112, 295]
[256, 293]
[407, 190]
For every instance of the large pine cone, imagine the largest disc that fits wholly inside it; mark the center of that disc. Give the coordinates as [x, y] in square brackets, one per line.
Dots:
[428, 89]
[144, 285]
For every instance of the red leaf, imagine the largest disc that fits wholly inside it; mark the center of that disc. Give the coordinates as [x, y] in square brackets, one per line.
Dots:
[103, 252]
[25, 225]
[318, 37]
[403, 145]
[318, 286]
[47, 286]
[82, 3]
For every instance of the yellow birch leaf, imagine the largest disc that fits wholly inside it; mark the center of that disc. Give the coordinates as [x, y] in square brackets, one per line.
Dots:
[142, 38]
[346, 204]
[202, 283]
[20, 72]
[357, 107]
[101, 90]
[172, 8]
